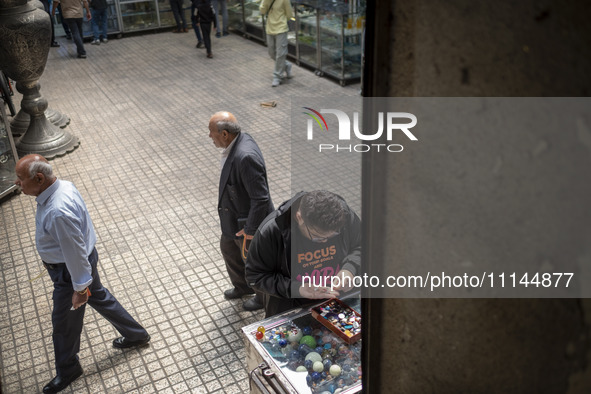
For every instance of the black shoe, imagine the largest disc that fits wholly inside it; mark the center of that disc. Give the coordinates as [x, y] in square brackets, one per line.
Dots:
[124, 343]
[59, 383]
[218, 35]
[55, 44]
[233, 293]
[199, 45]
[68, 37]
[226, 34]
[82, 56]
[253, 304]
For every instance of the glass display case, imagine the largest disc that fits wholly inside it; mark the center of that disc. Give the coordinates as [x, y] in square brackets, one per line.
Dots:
[306, 36]
[167, 17]
[303, 355]
[8, 156]
[340, 37]
[253, 20]
[236, 15]
[138, 15]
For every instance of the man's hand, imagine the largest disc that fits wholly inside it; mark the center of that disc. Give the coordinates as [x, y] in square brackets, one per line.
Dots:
[241, 233]
[346, 280]
[80, 299]
[317, 292]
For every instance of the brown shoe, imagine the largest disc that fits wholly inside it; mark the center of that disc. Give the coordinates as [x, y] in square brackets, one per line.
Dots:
[176, 31]
[209, 55]
[185, 31]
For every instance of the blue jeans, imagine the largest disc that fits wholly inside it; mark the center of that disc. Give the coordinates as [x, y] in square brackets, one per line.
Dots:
[217, 4]
[99, 23]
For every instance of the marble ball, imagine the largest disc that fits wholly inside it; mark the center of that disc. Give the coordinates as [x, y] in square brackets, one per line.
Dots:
[335, 370]
[318, 366]
[313, 356]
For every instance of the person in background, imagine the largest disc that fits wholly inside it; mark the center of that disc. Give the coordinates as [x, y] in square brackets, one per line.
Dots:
[65, 240]
[99, 21]
[179, 16]
[278, 13]
[223, 5]
[73, 16]
[64, 25]
[47, 7]
[298, 248]
[196, 28]
[205, 16]
[243, 200]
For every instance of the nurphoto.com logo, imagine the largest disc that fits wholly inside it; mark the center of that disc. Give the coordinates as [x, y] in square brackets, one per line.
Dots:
[389, 122]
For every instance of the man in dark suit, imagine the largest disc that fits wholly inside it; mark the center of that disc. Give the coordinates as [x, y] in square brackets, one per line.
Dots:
[243, 200]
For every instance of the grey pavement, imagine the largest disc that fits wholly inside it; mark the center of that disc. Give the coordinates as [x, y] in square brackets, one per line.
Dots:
[149, 174]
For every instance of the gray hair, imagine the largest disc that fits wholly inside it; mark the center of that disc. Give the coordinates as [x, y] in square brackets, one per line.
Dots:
[230, 127]
[42, 167]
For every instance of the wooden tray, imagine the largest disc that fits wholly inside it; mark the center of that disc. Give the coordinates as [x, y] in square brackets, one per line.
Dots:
[338, 331]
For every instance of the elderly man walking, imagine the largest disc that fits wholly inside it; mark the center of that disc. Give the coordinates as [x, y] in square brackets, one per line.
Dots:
[243, 200]
[65, 240]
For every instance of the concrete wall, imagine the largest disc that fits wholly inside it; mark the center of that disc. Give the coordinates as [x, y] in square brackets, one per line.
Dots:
[479, 48]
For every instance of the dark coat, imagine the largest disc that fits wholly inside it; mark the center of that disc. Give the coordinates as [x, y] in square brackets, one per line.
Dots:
[204, 12]
[244, 199]
[268, 265]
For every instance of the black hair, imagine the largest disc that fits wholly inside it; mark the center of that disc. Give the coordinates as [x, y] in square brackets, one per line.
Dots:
[324, 210]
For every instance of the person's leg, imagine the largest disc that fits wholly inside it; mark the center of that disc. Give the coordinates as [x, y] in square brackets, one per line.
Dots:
[206, 31]
[104, 24]
[234, 264]
[216, 8]
[280, 55]
[76, 34]
[107, 305]
[94, 22]
[196, 28]
[182, 15]
[174, 6]
[64, 25]
[67, 324]
[224, 11]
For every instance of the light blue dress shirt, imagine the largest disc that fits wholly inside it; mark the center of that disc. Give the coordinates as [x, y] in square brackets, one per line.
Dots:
[64, 231]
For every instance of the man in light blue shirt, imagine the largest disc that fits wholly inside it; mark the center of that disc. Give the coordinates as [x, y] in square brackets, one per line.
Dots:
[65, 240]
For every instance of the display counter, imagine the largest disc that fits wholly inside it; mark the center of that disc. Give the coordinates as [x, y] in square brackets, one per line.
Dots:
[294, 353]
[8, 157]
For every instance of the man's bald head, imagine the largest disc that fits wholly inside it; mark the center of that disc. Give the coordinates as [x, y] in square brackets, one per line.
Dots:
[34, 174]
[223, 128]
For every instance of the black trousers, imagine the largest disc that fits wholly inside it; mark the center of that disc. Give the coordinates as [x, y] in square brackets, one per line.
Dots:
[231, 251]
[67, 323]
[206, 32]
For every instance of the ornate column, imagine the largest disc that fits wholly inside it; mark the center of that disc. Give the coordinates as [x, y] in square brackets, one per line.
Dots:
[26, 31]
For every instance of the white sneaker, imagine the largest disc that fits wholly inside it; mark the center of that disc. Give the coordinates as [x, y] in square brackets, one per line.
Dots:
[275, 83]
[96, 42]
[104, 40]
[288, 73]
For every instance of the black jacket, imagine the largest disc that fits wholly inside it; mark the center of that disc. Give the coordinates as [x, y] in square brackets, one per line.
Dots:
[204, 12]
[244, 199]
[268, 265]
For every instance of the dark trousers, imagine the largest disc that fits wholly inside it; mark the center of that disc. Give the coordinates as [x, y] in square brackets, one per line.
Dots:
[64, 24]
[75, 25]
[67, 324]
[206, 31]
[195, 25]
[178, 13]
[47, 9]
[231, 252]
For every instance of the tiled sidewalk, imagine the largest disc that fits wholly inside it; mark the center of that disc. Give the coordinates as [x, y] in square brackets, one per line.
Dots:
[149, 174]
